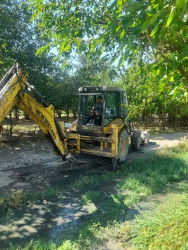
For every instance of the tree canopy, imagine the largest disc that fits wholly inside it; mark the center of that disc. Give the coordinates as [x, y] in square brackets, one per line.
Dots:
[147, 38]
[117, 29]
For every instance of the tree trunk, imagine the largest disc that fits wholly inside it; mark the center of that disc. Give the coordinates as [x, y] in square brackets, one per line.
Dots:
[75, 115]
[67, 113]
[59, 113]
[163, 122]
[16, 112]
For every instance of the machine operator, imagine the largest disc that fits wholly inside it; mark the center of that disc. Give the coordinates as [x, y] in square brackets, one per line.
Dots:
[96, 112]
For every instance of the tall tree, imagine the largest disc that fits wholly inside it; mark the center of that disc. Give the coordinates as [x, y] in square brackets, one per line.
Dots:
[20, 40]
[151, 93]
[120, 28]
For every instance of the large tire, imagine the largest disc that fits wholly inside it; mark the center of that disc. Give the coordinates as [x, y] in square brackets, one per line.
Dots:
[123, 146]
[136, 140]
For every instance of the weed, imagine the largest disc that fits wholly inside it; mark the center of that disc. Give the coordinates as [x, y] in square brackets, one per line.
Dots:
[135, 188]
[167, 228]
[91, 196]
[85, 181]
[68, 245]
[36, 245]
[108, 176]
[12, 202]
[19, 198]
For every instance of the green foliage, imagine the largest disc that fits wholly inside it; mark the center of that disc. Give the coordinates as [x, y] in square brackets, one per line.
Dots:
[152, 90]
[153, 31]
[118, 28]
[150, 37]
[18, 198]
[91, 196]
[135, 189]
[68, 245]
[166, 228]
[36, 245]
[20, 41]
[85, 181]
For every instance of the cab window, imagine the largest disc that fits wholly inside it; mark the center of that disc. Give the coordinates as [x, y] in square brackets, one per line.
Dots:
[112, 106]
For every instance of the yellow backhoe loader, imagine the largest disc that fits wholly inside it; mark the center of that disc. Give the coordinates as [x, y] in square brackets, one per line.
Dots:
[100, 129]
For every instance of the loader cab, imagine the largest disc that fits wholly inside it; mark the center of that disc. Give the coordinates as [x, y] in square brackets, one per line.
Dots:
[110, 107]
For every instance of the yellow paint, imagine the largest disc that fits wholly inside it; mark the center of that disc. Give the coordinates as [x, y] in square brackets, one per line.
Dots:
[73, 127]
[10, 95]
[118, 122]
[62, 125]
[114, 146]
[101, 145]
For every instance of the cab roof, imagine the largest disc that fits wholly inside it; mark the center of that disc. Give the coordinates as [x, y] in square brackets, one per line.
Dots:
[96, 89]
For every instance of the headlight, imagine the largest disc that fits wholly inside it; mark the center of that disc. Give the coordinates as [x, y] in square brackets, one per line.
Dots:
[84, 89]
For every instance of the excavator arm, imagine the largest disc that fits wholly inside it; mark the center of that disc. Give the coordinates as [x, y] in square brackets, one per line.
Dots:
[15, 90]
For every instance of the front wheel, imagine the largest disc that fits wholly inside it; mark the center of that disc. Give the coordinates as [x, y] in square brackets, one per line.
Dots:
[123, 146]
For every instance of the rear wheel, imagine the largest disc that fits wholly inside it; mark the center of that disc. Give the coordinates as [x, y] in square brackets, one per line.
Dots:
[136, 140]
[123, 146]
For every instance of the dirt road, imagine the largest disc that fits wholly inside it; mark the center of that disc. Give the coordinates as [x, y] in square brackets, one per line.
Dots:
[31, 164]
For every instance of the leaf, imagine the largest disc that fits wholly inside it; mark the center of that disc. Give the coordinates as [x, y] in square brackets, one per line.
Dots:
[122, 34]
[132, 8]
[185, 17]
[154, 30]
[169, 20]
[126, 54]
[120, 4]
[154, 18]
[113, 5]
[180, 3]
[149, 22]
[145, 26]
[171, 79]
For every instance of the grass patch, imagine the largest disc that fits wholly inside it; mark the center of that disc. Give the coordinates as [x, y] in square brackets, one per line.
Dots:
[37, 245]
[140, 179]
[158, 131]
[19, 198]
[85, 181]
[134, 182]
[167, 228]
[90, 196]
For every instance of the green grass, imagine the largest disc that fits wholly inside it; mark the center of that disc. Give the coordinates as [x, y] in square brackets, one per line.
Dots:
[133, 183]
[85, 181]
[140, 179]
[19, 198]
[158, 131]
[167, 228]
[90, 196]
